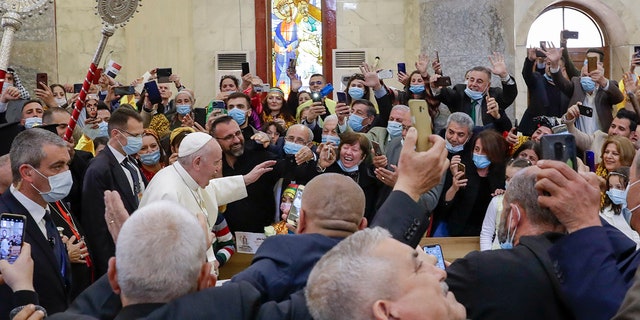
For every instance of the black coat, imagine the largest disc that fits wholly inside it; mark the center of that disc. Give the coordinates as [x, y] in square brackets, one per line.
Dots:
[518, 283]
[47, 280]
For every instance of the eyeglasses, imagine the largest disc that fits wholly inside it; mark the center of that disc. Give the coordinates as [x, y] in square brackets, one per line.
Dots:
[315, 83]
[295, 140]
[131, 134]
[230, 137]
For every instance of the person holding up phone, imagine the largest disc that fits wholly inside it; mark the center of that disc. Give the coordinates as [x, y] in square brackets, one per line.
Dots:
[473, 98]
[592, 90]
[545, 98]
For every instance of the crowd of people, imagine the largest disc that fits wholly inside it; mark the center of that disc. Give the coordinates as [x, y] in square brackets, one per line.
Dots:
[187, 175]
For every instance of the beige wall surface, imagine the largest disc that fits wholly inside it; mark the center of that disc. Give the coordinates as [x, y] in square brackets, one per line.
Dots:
[185, 35]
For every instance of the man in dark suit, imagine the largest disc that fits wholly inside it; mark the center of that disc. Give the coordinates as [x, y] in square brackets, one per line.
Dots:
[517, 283]
[593, 90]
[545, 98]
[112, 169]
[484, 104]
[41, 175]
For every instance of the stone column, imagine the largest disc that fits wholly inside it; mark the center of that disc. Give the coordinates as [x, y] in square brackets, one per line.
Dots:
[466, 32]
[34, 49]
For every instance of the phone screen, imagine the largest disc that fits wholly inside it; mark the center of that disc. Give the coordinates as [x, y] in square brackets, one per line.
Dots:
[294, 212]
[164, 74]
[11, 236]
[561, 147]
[376, 148]
[42, 78]
[245, 68]
[342, 97]
[436, 250]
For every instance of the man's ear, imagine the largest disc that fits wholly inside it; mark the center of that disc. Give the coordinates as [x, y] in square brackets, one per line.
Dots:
[302, 222]
[363, 223]
[112, 275]
[26, 172]
[381, 309]
[205, 278]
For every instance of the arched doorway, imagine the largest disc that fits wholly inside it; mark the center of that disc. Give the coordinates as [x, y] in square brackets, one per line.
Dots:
[568, 16]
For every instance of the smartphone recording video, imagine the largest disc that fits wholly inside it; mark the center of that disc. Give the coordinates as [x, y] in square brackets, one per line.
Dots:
[11, 236]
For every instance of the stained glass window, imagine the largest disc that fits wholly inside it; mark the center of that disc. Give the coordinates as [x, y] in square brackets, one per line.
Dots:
[296, 35]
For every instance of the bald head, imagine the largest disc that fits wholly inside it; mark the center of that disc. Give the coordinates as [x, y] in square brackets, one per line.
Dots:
[332, 204]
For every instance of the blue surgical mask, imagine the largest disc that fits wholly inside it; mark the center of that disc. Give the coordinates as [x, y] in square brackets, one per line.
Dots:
[474, 95]
[134, 144]
[618, 197]
[32, 122]
[508, 243]
[452, 148]
[587, 84]
[183, 109]
[345, 169]
[626, 191]
[150, 158]
[333, 139]
[394, 128]
[59, 184]
[356, 93]
[291, 148]
[104, 129]
[60, 101]
[238, 115]
[416, 88]
[541, 65]
[506, 185]
[355, 122]
[481, 161]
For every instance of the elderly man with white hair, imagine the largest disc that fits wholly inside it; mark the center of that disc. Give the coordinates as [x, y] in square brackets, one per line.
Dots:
[190, 180]
[160, 256]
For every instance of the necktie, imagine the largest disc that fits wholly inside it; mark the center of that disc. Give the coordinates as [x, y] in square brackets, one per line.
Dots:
[59, 250]
[134, 176]
[474, 103]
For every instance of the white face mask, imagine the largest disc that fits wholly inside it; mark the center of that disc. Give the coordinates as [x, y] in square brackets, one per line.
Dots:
[59, 186]
[626, 191]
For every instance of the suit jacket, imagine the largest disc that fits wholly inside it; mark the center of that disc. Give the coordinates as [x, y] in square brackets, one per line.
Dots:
[78, 167]
[510, 284]
[47, 280]
[282, 264]
[595, 266]
[104, 173]
[429, 200]
[604, 100]
[457, 101]
[545, 99]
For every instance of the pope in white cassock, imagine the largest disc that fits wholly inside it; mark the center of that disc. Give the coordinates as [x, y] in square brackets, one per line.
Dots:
[191, 181]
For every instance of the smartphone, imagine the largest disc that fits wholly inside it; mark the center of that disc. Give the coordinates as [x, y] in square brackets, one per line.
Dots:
[561, 147]
[402, 67]
[592, 63]
[294, 213]
[44, 78]
[590, 160]
[636, 49]
[245, 68]
[342, 96]
[436, 250]
[218, 104]
[12, 228]
[585, 111]
[376, 148]
[77, 87]
[443, 82]
[292, 64]
[385, 74]
[163, 75]
[123, 91]
[200, 116]
[96, 79]
[421, 121]
[154, 93]
[543, 46]
[463, 168]
[438, 60]
[570, 34]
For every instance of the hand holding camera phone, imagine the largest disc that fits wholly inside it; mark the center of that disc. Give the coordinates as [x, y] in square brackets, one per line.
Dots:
[422, 122]
[12, 228]
[561, 147]
[42, 80]
[436, 250]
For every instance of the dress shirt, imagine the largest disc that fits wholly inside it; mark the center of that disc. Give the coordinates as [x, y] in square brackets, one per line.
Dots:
[36, 211]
